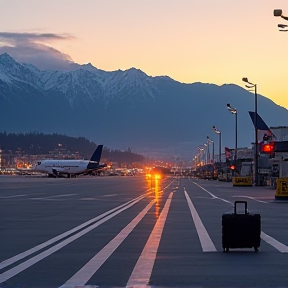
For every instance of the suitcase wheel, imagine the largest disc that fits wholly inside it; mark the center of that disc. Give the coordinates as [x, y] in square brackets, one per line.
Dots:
[256, 249]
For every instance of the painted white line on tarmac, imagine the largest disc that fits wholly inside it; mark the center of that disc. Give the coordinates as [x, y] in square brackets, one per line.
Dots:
[89, 269]
[212, 195]
[13, 196]
[273, 242]
[22, 255]
[52, 197]
[142, 271]
[252, 198]
[168, 184]
[23, 266]
[268, 239]
[205, 240]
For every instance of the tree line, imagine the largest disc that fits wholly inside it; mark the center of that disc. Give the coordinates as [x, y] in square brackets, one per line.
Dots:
[35, 143]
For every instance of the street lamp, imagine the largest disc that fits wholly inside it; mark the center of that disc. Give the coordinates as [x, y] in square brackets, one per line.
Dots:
[201, 156]
[218, 132]
[206, 153]
[282, 26]
[278, 13]
[211, 141]
[198, 159]
[234, 111]
[255, 126]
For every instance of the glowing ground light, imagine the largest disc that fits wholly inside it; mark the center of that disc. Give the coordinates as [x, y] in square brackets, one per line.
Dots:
[153, 176]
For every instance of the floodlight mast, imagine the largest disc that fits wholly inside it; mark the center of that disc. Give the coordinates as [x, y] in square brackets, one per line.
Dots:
[218, 132]
[278, 13]
[234, 111]
[211, 141]
[252, 85]
[206, 151]
[201, 149]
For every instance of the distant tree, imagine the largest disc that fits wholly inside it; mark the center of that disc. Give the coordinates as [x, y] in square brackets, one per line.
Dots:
[35, 143]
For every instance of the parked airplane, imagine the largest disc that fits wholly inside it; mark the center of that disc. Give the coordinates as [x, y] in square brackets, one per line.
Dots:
[56, 168]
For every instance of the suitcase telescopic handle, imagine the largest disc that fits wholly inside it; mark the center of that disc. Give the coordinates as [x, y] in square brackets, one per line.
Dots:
[240, 202]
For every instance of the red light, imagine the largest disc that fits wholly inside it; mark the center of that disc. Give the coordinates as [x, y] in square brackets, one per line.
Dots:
[268, 148]
[232, 167]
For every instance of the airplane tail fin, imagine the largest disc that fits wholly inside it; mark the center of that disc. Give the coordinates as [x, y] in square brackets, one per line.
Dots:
[97, 154]
[262, 128]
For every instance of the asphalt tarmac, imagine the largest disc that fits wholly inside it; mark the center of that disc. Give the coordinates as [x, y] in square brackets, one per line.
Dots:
[132, 232]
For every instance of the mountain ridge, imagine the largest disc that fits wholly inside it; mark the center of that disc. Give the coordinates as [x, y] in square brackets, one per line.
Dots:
[127, 108]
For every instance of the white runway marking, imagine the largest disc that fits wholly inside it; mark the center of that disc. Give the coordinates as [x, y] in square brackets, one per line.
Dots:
[22, 255]
[169, 184]
[13, 196]
[212, 195]
[273, 242]
[252, 198]
[19, 268]
[205, 240]
[268, 239]
[110, 195]
[52, 197]
[142, 271]
[88, 270]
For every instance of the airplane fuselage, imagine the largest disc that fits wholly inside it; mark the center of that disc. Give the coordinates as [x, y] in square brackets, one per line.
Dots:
[75, 167]
[64, 167]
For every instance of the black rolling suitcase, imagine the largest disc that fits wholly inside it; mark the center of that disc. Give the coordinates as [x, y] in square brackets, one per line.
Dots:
[241, 230]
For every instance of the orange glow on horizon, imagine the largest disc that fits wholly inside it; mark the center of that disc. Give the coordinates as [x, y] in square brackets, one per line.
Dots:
[207, 41]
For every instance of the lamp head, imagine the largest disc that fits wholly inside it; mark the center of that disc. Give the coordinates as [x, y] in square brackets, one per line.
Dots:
[215, 130]
[209, 140]
[245, 79]
[232, 110]
[277, 12]
[282, 26]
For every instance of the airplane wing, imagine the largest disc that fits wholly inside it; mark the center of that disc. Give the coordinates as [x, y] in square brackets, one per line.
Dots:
[95, 166]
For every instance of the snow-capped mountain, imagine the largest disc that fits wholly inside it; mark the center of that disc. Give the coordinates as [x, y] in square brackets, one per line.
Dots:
[126, 108]
[87, 82]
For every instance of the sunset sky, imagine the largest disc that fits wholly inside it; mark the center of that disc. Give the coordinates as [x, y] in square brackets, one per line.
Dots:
[209, 41]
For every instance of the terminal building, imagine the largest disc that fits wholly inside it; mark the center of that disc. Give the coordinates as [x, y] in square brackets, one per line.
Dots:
[280, 159]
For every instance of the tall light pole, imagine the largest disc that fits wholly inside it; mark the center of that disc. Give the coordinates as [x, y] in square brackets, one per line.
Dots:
[218, 132]
[201, 156]
[197, 159]
[234, 111]
[278, 13]
[256, 128]
[211, 141]
[206, 153]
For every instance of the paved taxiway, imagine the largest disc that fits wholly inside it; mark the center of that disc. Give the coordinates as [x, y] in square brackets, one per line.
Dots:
[127, 231]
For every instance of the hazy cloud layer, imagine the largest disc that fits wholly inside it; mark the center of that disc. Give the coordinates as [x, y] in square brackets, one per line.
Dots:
[32, 48]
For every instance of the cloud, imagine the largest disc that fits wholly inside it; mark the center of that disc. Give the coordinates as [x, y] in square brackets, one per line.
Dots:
[31, 37]
[33, 48]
